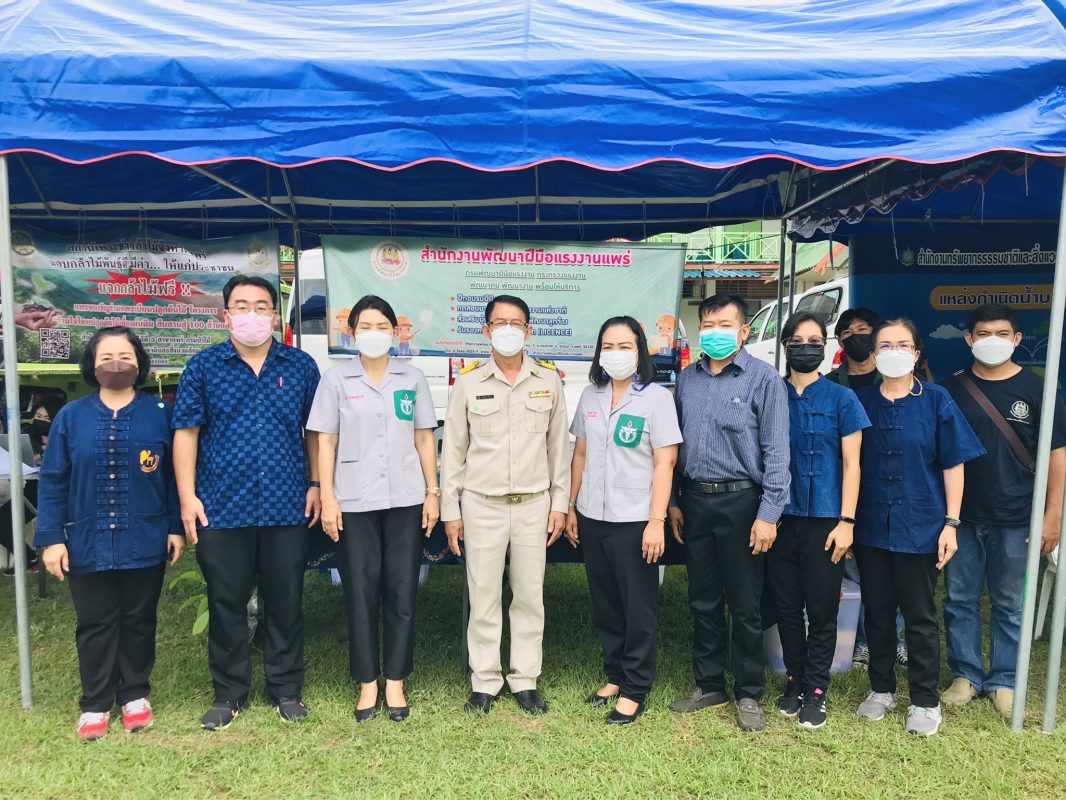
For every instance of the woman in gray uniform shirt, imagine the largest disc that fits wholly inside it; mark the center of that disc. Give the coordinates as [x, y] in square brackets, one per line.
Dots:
[626, 437]
[378, 467]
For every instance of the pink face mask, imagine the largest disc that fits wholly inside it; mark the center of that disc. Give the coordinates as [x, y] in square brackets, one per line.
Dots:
[251, 329]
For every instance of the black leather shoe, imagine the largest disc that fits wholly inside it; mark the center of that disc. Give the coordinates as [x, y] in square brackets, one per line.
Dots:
[618, 718]
[397, 713]
[531, 701]
[479, 703]
[599, 701]
[366, 714]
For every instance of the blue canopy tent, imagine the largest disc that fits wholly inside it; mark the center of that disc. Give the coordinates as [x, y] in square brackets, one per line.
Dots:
[571, 119]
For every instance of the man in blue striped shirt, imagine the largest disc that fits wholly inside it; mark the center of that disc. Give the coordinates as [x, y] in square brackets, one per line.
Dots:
[732, 487]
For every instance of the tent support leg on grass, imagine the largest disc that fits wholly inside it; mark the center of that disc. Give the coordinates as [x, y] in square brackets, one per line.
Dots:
[14, 427]
[1036, 520]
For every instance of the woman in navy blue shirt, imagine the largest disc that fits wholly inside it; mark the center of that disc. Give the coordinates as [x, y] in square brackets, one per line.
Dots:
[912, 482]
[805, 567]
[108, 519]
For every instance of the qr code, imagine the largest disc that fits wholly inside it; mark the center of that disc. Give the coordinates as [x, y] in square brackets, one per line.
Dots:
[55, 343]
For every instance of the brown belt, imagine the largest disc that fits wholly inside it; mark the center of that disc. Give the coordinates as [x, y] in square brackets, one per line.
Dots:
[512, 499]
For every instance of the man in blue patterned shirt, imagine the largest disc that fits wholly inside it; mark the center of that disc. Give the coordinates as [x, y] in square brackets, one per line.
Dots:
[733, 486]
[246, 473]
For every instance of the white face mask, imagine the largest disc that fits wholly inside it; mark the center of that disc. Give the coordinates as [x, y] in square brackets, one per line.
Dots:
[373, 344]
[508, 341]
[895, 364]
[993, 350]
[619, 364]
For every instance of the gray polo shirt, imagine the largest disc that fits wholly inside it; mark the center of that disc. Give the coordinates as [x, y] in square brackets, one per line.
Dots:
[377, 466]
[619, 446]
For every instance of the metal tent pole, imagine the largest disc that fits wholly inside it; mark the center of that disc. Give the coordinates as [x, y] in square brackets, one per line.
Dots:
[297, 334]
[1043, 457]
[1054, 662]
[780, 292]
[14, 429]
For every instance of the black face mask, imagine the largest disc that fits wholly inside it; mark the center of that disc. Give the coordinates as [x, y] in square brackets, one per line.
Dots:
[858, 346]
[804, 357]
[40, 427]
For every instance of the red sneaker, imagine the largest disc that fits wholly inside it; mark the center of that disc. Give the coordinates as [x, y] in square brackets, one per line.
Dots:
[137, 715]
[92, 725]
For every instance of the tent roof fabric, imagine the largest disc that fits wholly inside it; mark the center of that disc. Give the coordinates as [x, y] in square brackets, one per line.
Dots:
[610, 84]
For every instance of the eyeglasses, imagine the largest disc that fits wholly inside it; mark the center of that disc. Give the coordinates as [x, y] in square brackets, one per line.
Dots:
[262, 309]
[499, 324]
[817, 341]
[903, 347]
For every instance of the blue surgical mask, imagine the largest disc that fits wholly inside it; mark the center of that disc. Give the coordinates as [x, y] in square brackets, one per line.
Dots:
[719, 343]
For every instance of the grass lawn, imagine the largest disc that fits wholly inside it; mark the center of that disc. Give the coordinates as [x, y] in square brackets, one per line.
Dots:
[440, 752]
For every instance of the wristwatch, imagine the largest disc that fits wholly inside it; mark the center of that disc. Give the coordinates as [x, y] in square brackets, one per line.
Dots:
[433, 490]
[849, 520]
[314, 484]
[952, 522]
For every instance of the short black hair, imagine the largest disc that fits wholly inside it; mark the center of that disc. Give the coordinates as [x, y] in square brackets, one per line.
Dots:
[88, 355]
[992, 312]
[904, 323]
[510, 300]
[717, 301]
[858, 313]
[371, 302]
[51, 404]
[793, 322]
[249, 280]
[645, 368]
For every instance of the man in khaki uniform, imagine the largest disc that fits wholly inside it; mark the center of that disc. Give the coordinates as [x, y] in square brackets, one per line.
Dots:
[505, 452]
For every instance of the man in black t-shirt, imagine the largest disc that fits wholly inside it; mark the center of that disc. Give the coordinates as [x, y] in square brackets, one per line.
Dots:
[996, 507]
[854, 331]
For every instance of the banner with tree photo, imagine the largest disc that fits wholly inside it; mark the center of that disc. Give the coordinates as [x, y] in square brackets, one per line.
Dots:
[166, 288]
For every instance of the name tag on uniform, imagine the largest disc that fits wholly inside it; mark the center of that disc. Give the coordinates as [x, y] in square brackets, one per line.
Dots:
[541, 393]
[485, 397]
[592, 414]
[353, 397]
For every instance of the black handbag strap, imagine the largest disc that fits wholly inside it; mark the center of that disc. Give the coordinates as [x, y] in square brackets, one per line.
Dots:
[1001, 424]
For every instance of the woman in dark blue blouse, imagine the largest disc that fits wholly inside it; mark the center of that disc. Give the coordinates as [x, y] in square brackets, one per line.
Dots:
[108, 519]
[912, 482]
[805, 567]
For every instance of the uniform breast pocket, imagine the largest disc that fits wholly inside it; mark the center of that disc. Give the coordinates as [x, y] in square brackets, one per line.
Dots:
[538, 409]
[486, 418]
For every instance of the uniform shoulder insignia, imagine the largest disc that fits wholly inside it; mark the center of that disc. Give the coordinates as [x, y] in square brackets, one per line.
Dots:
[470, 367]
[545, 364]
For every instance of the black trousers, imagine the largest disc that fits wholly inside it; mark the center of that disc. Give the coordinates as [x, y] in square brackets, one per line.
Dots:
[7, 539]
[231, 560]
[906, 580]
[624, 589]
[721, 571]
[116, 613]
[800, 575]
[378, 557]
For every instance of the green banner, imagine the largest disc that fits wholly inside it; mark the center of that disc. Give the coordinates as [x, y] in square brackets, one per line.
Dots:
[166, 288]
[439, 288]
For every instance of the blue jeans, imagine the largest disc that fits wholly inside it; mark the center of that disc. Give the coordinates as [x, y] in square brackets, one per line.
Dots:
[851, 572]
[995, 555]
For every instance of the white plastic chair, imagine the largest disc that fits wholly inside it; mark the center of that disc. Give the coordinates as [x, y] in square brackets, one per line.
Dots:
[1046, 585]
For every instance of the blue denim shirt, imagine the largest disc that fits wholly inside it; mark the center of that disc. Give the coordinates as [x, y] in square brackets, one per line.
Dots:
[904, 455]
[818, 419]
[107, 485]
[251, 466]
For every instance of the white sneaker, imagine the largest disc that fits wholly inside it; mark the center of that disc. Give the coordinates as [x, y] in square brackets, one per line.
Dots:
[923, 721]
[876, 705]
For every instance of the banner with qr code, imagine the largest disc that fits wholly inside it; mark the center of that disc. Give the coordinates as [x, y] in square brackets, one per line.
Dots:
[166, 288]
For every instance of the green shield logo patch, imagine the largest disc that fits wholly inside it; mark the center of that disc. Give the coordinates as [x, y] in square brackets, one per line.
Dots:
[404, 401]
[628, 430]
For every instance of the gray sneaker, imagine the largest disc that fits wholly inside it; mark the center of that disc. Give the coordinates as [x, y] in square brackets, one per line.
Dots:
[876, 705]
[750, 716]
[699, 700]
[923, 721]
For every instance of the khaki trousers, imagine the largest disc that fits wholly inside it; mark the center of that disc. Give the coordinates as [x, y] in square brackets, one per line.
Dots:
[494, 530]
